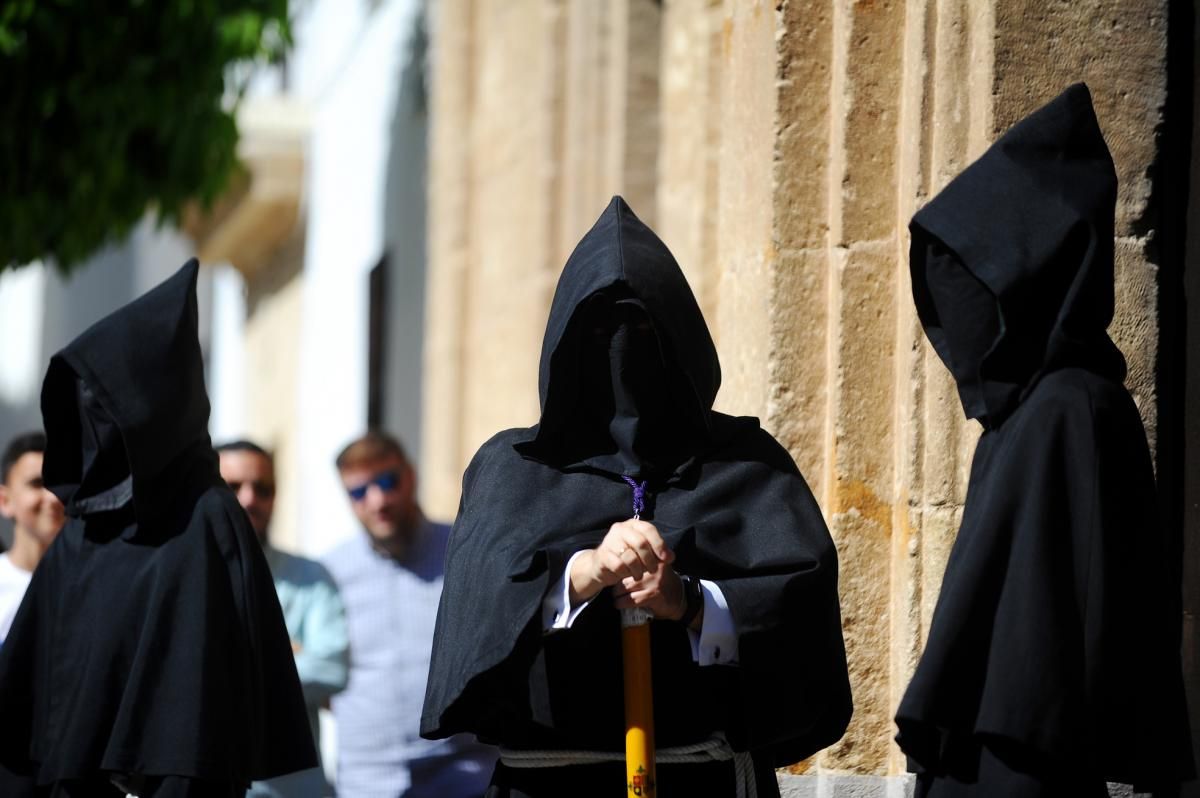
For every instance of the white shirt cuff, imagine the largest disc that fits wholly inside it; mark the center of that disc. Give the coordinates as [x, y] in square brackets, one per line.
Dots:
[557, 612]
[716, 643]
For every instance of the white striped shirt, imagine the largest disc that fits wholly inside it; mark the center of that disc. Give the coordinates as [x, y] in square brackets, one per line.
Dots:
[391, 606]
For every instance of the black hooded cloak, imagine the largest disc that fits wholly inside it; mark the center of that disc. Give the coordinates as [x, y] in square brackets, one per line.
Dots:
[150, 646]
[1052, 663]
[628, 377]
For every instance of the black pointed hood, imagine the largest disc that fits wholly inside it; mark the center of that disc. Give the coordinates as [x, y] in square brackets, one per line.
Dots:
[125, 408]
[628, 377]
[622, 268]
[1012, 263]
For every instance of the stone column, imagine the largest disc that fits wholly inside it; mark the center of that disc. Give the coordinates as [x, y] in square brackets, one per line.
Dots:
[610, 124]
[541, 110]
[946, 122]
[448, 240]
[692, 72]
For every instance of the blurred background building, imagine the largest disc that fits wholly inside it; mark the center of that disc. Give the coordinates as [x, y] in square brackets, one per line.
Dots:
[419, 172]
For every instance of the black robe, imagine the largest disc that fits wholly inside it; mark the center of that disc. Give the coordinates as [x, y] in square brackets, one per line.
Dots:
[150, 645]
[1052, 663]
[730, 503]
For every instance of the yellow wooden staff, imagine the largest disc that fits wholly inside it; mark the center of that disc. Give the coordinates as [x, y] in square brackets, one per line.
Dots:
[640, 776]
[641, 780]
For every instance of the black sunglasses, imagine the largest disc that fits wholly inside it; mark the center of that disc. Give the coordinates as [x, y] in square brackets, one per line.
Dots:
[387, 481]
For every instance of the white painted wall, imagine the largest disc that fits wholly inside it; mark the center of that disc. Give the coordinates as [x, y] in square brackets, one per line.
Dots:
[345, 67]
[227, 355]
[22, 293]
[364, 197]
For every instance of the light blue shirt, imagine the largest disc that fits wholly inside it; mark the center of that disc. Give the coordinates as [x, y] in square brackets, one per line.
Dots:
[316, 623]
[391, 606]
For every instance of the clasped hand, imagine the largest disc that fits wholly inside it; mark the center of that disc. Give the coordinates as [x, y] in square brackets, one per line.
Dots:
[634, 560]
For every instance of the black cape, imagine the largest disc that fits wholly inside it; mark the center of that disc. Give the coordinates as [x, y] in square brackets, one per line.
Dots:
[150, 641]
[729, 501]
[1054, 646]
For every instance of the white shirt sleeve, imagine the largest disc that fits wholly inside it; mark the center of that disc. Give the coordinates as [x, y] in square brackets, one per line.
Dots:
[557, 612]
[716, 643]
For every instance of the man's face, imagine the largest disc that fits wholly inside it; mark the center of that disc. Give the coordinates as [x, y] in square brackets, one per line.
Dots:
[381, 495]
[34, 510]
[251, 477]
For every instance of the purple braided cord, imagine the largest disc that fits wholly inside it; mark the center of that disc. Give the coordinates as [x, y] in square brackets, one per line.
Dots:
[639, 495]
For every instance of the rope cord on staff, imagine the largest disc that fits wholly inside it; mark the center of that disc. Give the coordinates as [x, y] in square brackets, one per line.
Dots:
[639, 495]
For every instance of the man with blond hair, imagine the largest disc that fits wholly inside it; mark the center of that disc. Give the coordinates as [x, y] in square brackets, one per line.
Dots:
[390, 578]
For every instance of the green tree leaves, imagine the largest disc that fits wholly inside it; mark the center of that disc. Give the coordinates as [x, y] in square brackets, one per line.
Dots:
[107, 109]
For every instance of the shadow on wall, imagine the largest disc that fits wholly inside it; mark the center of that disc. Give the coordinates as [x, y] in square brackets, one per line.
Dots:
[404, 260]
[1179, 358]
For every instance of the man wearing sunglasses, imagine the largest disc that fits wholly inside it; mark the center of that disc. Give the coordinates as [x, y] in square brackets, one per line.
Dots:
[391, 580]
[312, 608]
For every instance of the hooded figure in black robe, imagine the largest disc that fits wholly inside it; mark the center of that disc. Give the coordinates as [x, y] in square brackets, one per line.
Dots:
[1052, 663]
[150, 651]
[627, 381]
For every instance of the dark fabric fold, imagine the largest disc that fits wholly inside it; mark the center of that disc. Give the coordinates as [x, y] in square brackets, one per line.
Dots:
[150, 644]
[1054, 646]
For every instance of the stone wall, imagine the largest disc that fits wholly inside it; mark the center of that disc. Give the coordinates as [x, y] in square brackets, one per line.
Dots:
[779, 148]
